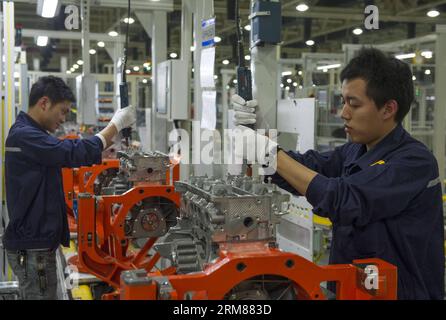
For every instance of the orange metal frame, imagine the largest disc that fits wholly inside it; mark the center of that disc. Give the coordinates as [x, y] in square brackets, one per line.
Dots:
[81, 180]
[103, 248]
[258, 259]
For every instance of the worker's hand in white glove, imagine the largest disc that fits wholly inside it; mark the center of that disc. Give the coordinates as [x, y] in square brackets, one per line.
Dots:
[124, 118]
[254, 147]
[245, 111]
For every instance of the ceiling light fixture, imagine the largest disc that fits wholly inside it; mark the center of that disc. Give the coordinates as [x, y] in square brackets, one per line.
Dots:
[47, 8]
[405, 56]
[129, 20]
[433, 13]
[302, 7]
[310, 43]
[330, 66]
[42, 41]
[357, 31]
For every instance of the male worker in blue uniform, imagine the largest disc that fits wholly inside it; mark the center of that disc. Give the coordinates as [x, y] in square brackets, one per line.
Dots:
[381, 190]
[36, 207]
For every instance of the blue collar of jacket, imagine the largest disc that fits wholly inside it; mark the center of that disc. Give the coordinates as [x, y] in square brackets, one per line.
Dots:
[25, 118]
[364, 158]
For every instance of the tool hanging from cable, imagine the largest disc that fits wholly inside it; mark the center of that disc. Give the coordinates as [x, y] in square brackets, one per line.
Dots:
[244, 78]
[123, 86]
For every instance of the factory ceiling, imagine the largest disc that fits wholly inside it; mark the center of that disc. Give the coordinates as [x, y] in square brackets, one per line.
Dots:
[331, 23]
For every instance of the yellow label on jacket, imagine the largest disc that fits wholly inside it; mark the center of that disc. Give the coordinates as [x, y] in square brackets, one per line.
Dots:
[380, 162]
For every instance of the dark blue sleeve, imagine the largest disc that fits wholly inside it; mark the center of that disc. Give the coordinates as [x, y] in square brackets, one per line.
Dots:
[374, 193]
[328, 164]
[52, 152]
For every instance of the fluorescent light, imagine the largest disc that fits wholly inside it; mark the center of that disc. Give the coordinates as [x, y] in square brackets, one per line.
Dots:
[127, 71]
[325, 70]
[136, 68]
[217, 39]
[310, 43]
[427, 54]
[101, 44]
[433, 13]
[427, 72]
[192, 48]
[358, 31]
[16, 75]
[405, 56]
[42, 41]
[113, 34]
[47, 8]
[80, 62]
[92, 51]
[225, 62]
[173, 55]
[68, 72]
[248, 27]
[75, 66]
[287, 73]
[129, 20]
[247, 57]
[193, 69]
[144, 80]
[330, 66]
[302, 7]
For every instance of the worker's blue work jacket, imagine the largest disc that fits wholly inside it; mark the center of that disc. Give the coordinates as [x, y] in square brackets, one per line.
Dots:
[385, 203]
[34, 190]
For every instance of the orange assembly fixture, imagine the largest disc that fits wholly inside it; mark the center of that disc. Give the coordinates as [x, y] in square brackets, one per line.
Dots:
[117, 231]
[80, 180]
[224, 247]
[244, 271]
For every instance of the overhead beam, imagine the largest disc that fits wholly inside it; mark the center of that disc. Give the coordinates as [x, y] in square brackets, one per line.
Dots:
[164, 5]
[30, 33]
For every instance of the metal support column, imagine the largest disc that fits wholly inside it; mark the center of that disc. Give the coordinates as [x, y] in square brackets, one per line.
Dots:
[186, 55]
[204, 9]
[159, 54]
[440, 100]
[8, 112]
[85, 19]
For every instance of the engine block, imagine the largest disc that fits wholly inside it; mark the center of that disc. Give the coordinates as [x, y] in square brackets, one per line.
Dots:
[215, 212]
[135, 167]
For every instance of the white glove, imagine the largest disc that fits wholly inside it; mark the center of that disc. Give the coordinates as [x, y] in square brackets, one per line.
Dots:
[124, 118]
[245, 111]
[254, 147]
